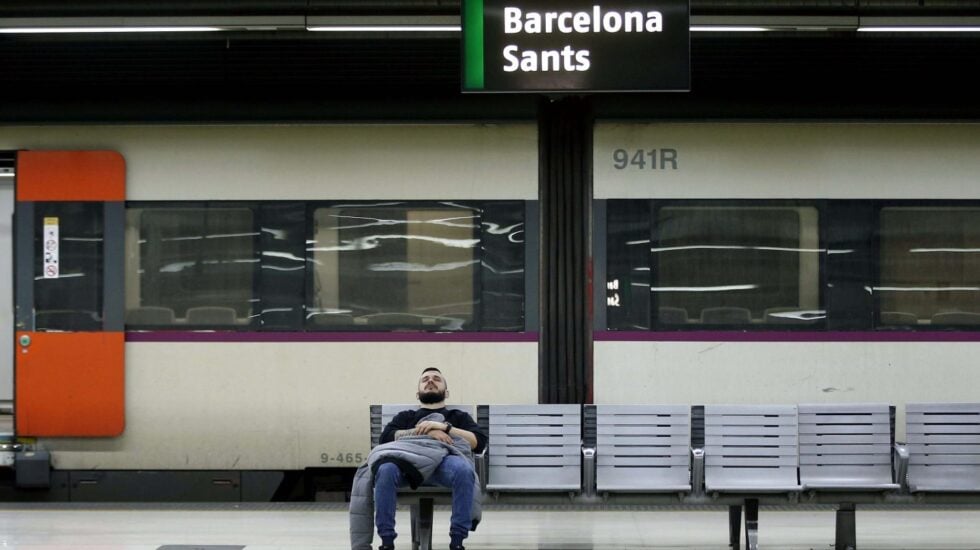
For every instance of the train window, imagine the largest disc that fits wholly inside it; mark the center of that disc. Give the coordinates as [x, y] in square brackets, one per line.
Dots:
[71, 300]
[929, 267]
[400, 266]
[716, 266]
[628, 265]
[192, 267]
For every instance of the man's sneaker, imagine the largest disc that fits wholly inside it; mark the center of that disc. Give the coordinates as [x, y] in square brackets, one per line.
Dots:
[456, 547]
[388, 547]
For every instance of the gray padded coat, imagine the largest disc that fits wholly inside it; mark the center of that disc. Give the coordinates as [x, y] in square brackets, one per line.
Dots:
[424, 454]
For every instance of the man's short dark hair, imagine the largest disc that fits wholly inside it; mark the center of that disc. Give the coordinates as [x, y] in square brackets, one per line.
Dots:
[430, 368]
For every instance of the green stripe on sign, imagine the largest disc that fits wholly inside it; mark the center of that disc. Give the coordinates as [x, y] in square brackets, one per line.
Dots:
[473, 44]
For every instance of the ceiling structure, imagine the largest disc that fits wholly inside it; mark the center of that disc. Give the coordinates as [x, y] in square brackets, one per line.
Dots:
[322, 60]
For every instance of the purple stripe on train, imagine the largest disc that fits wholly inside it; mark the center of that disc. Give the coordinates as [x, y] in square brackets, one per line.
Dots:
[786, 336]
[231, 336]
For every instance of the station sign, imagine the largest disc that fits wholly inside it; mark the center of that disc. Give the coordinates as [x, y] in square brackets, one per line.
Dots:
[576, 45]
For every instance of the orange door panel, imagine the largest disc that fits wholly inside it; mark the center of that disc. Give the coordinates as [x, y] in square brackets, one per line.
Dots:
[70, 383]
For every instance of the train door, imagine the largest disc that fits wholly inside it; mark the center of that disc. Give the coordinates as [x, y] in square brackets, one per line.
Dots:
[69, 342]
[6, 286]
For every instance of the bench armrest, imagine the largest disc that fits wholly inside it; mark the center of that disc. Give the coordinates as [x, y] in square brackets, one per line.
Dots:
[697, 471]
[902, 466]
[588, 471]
[481, 463]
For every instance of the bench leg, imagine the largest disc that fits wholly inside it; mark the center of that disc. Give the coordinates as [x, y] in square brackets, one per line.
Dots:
[751, 524]
[846, 527]
[734, 525]
[414, 508]
[425, 524]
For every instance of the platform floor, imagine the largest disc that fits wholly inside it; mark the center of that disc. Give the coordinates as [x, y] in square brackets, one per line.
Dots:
[324, 526]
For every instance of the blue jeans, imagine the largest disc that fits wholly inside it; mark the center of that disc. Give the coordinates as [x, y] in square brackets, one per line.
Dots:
[455, 472]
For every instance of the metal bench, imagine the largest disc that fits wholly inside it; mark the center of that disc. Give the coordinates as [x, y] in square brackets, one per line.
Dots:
[534, 448]
[943, 447]
[750, 450]
[643, 448]
[839, 454]
[847, 448]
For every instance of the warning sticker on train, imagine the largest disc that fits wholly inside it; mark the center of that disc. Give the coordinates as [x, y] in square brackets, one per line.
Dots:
[51, 245]
[576, 45]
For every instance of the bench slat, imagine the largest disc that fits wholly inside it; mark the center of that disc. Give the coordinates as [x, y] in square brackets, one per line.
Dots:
[639, 450]
[662, 421]
[568, 429]
[745, 440]
[937, 449]
[645, 430]
[827, 418]
[644, 480]
[649, 461]
[503, 478]
[751, 410]
[846, 429]
[539, 460]
[535, 439]
[543, 421]
[827, 460]
[682, 410]
[752, 462]
[548, 409]
[630, 439]
[942, 408]
[884, 439]
[806, 450]
[752, 421]
[945, 459]
[842, 408]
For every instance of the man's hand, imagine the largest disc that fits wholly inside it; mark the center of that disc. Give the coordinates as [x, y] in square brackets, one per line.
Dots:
[429, 427]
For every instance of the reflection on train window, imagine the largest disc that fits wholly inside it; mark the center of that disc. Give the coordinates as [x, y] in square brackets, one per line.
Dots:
[682, 266]
[71, 300]
[736, 265]
[394, 267]
[190, 267]
[929, 267]
[404, 267]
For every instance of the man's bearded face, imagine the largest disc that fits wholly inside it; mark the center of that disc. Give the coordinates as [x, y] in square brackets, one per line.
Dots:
[432, 388]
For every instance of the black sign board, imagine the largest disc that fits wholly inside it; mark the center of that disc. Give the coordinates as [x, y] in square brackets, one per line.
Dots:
[576, 45]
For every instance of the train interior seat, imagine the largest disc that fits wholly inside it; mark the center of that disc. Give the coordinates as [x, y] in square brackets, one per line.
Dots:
[332, 319]
[899, 318]
[788, 316]
[672, 315]
[396, 319]
[956, 318]
[211, 315]
[150, 315]
[726, 315]
[67, 319]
